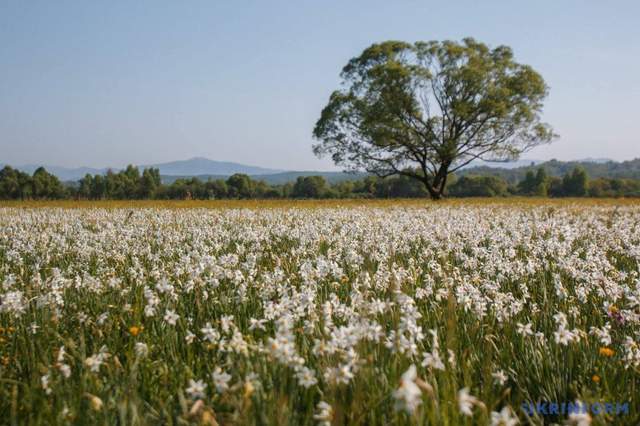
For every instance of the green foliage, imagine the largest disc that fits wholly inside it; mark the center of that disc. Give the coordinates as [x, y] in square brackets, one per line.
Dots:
[427, 109]
[614, 188]
[15, 184]
[310, 187]
[479, 186]
[131, 184]
[575, 184]
[534, 184]
[400, 187]
[240, 186]
[126, 184]
[150, 182]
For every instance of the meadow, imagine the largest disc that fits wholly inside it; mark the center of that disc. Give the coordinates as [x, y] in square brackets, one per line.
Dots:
[320, 312]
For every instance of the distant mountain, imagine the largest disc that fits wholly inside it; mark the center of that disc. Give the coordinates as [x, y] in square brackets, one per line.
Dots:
[500, 165]
[205, 169]
[63, 173]
[203, 166]
[192, 167]
[526, 163]
[595, 168]
[595, 160]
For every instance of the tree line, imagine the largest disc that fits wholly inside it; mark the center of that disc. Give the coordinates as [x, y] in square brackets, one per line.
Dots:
[629, 169]
[574, 183]
[130, 183]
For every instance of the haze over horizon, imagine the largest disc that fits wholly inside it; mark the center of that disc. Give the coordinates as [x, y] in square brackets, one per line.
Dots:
[105, 85]
[29, 167]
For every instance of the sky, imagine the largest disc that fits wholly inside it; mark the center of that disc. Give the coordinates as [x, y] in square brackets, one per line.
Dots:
[88, 83]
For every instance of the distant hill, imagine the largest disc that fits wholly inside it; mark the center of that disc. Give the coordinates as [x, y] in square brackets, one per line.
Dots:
[205, 169]
[191, 167]
[500, 165]
[203, 166]
[596, 168]
[63, 173]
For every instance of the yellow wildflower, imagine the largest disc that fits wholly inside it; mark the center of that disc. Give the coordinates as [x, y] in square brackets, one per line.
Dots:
[608, 352]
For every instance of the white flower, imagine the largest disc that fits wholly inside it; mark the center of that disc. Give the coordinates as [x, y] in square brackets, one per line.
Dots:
[44, 381]
[82, 317]
[196, 389]
[500, 377]
[324, 416]
[238, 344]
[560, 318]
[466, 402]
[579, 417]
[408, 396]
[65, 370]
[504, 418]
[171, 317]
[220, 380]
[60, 364]
[95, 361]
[603, 334]
[190, 337]
[13, 302]
[163, 286]
[344, 374]
[306, 377]
[226, 322]
[451, 358]
[61, 353]
[102, 318]
[563, 336]
[210, 333]
[433, 360]
[141, 349]
[524, 329]
[257, 324]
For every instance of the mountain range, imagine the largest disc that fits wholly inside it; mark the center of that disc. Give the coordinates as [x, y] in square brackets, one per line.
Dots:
[196, 166]
[204, 168]
[595, 168]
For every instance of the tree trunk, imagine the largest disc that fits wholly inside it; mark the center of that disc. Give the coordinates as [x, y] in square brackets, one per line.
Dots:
[434, 192]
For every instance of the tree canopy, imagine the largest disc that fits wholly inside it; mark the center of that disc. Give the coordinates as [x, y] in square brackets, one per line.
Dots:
[425, 110]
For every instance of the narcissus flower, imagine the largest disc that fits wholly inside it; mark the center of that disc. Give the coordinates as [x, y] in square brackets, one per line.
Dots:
[408, 395]
[196, 388]
[141, 349]
[503, 418]
[324, 415]
[466, 401]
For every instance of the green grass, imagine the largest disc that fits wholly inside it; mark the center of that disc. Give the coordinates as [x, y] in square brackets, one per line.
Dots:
[73, 266]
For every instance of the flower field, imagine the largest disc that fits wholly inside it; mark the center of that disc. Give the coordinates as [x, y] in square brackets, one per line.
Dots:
[441, 314]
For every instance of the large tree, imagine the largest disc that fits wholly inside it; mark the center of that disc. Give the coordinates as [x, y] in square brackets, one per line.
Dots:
[425, 110]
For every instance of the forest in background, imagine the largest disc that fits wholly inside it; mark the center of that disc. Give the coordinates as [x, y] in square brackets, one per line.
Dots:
[553, 179]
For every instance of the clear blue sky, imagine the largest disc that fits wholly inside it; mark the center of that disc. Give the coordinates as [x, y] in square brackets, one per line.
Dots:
[116, 82]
